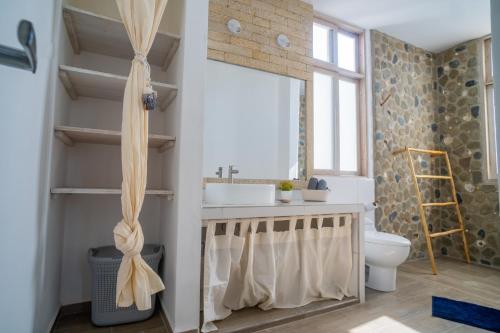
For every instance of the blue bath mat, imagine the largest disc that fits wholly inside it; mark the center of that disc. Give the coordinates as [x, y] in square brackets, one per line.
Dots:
[466, 313]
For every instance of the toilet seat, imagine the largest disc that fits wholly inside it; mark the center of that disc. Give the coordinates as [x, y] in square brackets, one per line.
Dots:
[385, 238]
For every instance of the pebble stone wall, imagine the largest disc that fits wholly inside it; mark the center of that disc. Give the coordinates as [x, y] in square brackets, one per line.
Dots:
[407, 73]
[459, 125]
[436, 102]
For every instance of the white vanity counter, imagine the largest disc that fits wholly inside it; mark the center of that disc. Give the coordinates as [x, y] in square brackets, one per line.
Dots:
[212, 212]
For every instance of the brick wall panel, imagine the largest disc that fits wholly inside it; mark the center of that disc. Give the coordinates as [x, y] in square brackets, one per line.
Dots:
[261, 22]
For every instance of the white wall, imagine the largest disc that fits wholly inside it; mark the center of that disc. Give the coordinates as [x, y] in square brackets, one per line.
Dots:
[180, 227]
[55, 173]
[248, 122]
[369, 102]
[29, 241]
[295, 92]
[495, 35]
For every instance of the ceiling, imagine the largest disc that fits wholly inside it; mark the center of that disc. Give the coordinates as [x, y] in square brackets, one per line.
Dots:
[434, 25]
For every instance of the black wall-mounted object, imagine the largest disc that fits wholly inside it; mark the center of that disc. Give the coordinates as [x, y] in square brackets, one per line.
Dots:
[24, 59]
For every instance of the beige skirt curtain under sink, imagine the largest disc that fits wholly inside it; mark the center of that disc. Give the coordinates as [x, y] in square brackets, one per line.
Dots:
[275, 269]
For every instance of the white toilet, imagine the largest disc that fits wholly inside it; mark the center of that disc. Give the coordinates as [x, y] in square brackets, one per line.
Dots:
[384, 252]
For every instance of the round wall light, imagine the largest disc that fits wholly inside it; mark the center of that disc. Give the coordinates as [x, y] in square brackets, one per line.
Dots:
[234, 26]
[283, 41]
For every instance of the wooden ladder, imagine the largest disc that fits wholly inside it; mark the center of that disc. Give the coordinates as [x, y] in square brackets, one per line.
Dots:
[422, 205]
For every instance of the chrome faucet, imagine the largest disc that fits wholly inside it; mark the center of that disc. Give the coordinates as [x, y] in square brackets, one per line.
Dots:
[231, 172]
[219, 173]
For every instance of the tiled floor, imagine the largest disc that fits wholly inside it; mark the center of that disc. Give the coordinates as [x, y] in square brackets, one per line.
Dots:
[407, 310]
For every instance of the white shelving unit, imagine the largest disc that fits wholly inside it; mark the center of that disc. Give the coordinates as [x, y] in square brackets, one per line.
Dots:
[90, 83]
[105, 191]
[95, 33]
[93, 59]
[103, 35]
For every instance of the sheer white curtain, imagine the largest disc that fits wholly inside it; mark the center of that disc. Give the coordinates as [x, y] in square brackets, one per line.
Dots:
[275, 269]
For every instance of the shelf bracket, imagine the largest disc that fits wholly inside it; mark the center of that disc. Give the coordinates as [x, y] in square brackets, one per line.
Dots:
[64, 138]
[68, 85]
[170, 55]
[70, 28]
[168, 99]
[169, 144]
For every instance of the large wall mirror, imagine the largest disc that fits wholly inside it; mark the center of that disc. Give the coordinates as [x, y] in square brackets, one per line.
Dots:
[256, 121]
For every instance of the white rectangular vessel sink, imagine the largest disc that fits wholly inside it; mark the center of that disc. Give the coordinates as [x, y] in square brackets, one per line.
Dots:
[239, 194]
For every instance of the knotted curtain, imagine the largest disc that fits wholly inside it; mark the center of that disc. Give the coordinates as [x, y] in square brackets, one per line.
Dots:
[136, 281]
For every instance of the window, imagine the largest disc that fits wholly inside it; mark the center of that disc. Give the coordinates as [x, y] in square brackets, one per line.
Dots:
[338, 83]
[489, 114]
[321, 42]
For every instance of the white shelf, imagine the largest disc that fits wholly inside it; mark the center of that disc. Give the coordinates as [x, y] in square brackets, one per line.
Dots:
[104, 35]
[105, 191]
[89, 83]
[71, 135]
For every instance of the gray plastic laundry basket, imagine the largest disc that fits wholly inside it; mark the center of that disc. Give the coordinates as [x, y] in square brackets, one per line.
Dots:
[104, 263]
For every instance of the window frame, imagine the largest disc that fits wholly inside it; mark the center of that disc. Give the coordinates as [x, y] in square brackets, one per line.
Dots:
[487, 118]
[337, 73]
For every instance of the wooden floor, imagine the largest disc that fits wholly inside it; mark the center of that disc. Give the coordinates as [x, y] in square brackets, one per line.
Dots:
[407, 310]
[249, 320]
[80, 323]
